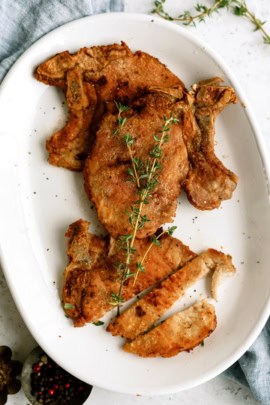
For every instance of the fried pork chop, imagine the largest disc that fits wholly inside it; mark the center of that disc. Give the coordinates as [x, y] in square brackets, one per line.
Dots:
[181, 332]
[54, 70]
[91, 276]
[106, 174]
[74, 136]
[146, 311]
[208, 182]
[114, 73]
[205, 179]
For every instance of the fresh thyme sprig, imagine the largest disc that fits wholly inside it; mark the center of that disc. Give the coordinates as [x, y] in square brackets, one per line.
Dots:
[127, 138]
[241, 9]
[144, 175]
[154, 242]
[186, 17]
[237, 7]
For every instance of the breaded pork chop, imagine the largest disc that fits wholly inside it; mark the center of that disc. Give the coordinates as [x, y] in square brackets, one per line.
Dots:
[146, 311]
[115, 73]
[91, 276]
[181, 332]
[54, 70]
[106, 176]
[208, 182]
[74, 136]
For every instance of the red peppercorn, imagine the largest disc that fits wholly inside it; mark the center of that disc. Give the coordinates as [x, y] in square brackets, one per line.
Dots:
[67, 385]
[36, 368]
[51, 392]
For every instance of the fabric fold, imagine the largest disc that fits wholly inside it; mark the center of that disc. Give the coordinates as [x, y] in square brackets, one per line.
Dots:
[25, 21]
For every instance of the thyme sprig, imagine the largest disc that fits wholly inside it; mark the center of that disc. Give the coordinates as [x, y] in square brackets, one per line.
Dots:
[144, 175]
[237, 7]
[154, 242]
[186, 17]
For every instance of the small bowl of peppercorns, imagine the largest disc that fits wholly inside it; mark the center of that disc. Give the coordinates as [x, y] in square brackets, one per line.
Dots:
[44, 382]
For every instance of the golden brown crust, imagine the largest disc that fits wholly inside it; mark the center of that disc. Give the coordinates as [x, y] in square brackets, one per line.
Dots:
[84, 249]
[208, 182]
[220, 271]
[132, 76]
[146, 311]
[113, 73]
[91, 278]
[54, 70]
[181, 332]
[67, 147]
[106, 176]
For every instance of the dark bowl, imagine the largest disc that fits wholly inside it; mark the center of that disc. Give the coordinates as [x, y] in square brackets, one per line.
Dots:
[33, 358]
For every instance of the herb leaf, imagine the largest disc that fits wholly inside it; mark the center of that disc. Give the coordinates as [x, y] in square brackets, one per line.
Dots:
[69, 306]
[171, 230]
[155, 241]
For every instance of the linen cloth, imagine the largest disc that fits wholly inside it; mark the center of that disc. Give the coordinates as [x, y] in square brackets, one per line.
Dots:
[22, 23]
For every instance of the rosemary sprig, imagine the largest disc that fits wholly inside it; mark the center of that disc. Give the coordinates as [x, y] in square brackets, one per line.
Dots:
[237, 7]
[144, 175]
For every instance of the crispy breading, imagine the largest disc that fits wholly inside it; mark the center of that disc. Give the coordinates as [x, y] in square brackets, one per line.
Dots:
[132, 76]
[114, 74]
[74, 136]
[84, 249]
[208, 182]
[146, 311]
[54, 70]
[106, 170]
[181, 332]
[220, 271]
[91, 277]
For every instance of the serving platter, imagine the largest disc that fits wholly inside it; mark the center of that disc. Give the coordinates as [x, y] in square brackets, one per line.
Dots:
[39, 201]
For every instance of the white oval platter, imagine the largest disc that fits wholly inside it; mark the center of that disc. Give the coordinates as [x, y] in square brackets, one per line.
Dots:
[39, 201]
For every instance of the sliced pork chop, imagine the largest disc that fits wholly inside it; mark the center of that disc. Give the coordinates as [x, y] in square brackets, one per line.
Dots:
[91, 276]
[147, 310]
[181, 332]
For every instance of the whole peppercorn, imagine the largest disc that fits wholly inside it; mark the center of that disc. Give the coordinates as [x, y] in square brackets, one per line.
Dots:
[50, 384]
[9, 370]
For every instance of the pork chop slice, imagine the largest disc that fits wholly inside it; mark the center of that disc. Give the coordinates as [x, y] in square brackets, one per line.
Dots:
[115, 73]
[181, 332]
[106, 172]
[208, 182]
[146, 311]
[91, 276]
